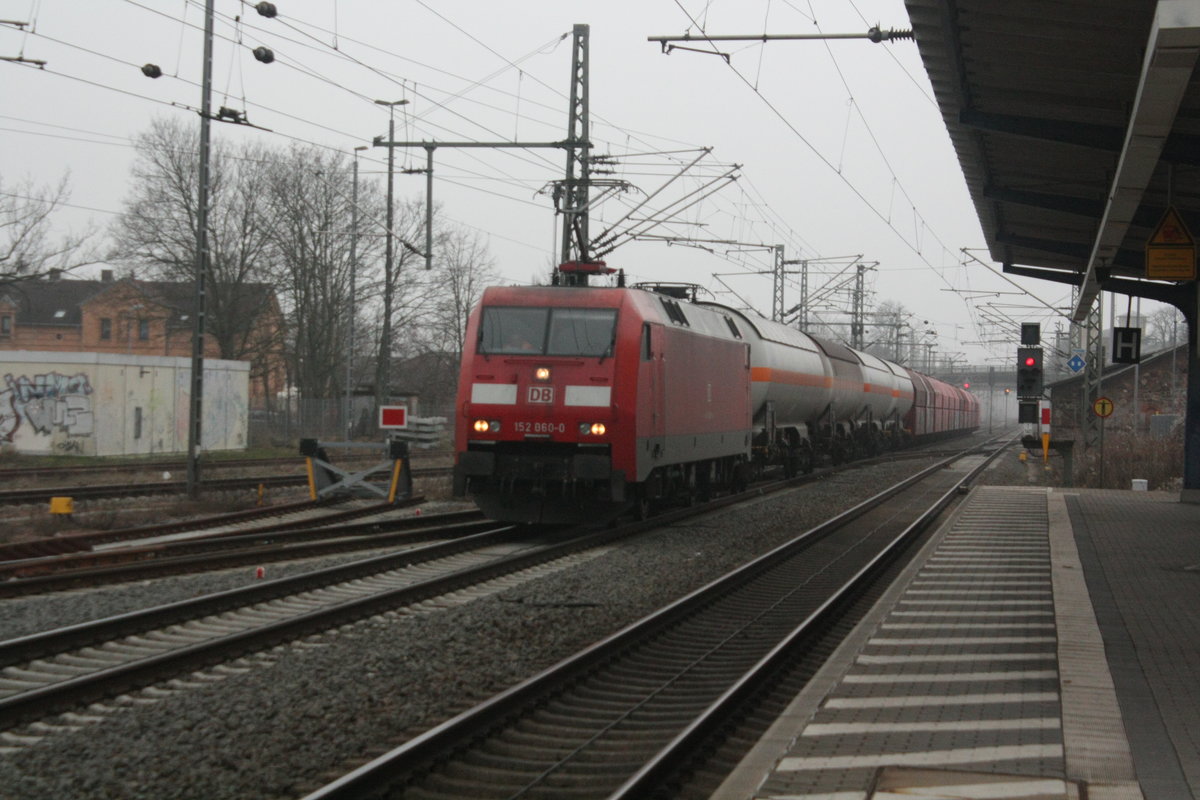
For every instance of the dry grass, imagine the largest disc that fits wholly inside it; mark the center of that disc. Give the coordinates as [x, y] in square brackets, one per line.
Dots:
[1126, 457]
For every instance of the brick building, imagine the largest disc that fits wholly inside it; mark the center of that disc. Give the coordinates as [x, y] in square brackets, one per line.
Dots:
[134, 317]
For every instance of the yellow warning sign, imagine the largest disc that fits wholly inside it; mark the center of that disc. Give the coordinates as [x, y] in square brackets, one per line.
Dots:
[1171, 230]
[1103, 407]
[1170, 250]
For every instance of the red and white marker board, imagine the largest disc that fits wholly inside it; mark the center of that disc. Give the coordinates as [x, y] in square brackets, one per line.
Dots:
[393, 417]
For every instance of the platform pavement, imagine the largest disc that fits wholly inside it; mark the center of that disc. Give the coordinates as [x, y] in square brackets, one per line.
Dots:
[1119, 719]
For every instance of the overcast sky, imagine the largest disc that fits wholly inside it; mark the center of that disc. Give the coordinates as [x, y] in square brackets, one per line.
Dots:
[841, 146]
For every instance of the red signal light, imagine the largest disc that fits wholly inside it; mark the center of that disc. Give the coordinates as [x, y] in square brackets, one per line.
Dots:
[966, 384]
[1030, 361]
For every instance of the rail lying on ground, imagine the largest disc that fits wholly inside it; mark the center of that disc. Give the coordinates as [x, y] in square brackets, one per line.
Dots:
[41, 495]
[21, 473]
[282, 542]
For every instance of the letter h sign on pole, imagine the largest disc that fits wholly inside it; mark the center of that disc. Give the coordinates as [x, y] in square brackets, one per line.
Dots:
[1126, 345]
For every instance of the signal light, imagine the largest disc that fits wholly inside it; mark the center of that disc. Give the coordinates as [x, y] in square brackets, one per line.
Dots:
[966, 384]
[1029, 372]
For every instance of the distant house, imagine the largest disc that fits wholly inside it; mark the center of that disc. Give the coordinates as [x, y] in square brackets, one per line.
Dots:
[134, 317]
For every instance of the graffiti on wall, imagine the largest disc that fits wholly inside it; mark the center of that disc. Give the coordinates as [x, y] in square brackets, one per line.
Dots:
[49, 403]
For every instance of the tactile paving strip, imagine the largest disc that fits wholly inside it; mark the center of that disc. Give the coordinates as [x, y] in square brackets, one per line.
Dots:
[961, 674]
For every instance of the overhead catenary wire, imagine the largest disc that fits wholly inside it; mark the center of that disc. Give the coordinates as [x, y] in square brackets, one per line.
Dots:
[918, 221]
[760, 212]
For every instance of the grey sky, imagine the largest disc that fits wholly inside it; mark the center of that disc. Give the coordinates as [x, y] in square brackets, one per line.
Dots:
[843, 149]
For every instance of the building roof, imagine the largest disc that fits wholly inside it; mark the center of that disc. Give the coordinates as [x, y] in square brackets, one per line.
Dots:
[49, 302]
[1069, 119]
[57, 301]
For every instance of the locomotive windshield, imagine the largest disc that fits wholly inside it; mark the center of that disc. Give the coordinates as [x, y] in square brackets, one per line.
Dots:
[548, 331]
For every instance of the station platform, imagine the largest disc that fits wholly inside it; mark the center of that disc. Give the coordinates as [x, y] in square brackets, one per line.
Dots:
[1044, 644]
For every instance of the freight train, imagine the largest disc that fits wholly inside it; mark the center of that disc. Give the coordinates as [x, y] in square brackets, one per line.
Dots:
[580, 402]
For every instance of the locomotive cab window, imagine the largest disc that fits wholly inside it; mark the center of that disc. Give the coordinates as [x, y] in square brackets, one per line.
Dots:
[514, 331]
[582, 332]
[548, 331]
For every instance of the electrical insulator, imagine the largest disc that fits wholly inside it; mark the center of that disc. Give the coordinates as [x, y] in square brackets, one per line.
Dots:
[266, 9]
[264, 54]
[151, 71]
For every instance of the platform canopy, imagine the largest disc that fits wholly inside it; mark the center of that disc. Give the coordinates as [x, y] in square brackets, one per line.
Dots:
[1076, 123]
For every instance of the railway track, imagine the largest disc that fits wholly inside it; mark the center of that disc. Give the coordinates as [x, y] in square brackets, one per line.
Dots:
[104, 491]
[633, 712]
[8, 474]
[315, 536]
[79, 542]
[58, 671]
[61, 669]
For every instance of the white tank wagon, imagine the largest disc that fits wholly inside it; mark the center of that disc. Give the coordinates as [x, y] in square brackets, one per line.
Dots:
[811, 397]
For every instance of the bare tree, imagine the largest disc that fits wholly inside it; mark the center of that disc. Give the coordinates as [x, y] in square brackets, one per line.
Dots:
[28, 249]
[887, 336]
[404, 291]
[157, 231]
[463, 268]
[1165, 327]
[311, 200]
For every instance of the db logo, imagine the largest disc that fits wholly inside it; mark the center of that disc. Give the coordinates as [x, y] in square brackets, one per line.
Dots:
[541, 394]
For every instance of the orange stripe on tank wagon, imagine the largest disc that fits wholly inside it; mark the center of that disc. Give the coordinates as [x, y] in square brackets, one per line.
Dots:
[768, 375]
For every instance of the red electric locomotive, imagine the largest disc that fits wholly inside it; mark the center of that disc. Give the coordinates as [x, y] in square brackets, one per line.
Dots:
[576, 403]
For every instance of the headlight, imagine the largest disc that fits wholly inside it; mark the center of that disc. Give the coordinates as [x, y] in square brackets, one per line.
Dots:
[484, 426]
[542, 373]
[591, 429]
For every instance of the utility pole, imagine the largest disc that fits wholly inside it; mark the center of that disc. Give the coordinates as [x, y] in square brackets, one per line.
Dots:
[196, 406]
[428, 173]
[575, 189]
[383, 365]
[857, 310]
[348, 423]
[571, 197]
[781, 265]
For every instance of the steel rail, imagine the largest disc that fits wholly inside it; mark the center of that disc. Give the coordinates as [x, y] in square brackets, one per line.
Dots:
[26, 496]
[203, 555]
[89, 687]
[434, 745]
[681, 750]
[77, 542]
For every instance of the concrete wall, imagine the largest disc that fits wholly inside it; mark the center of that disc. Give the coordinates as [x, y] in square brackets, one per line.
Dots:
[104, 404]
[1161, 389]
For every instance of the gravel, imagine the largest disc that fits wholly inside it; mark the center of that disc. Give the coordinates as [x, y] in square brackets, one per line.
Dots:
[302, 714]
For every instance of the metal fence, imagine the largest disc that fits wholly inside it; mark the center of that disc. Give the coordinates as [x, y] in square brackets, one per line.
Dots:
[326, 419]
